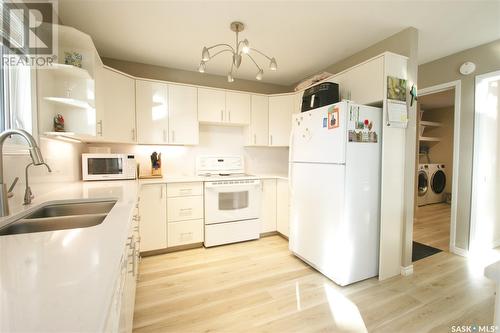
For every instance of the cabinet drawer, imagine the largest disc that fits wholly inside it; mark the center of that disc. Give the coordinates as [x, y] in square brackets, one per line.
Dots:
[185, 232]
[185, 208]
[184, 189]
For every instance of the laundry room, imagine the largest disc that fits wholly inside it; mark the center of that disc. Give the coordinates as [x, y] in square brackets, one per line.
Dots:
[432, 227]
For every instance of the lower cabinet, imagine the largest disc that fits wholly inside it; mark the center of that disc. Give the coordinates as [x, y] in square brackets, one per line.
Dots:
[282, 207]
[121, 314]
[185, 232]
[268, 206]
[171, 215]
[153, 210]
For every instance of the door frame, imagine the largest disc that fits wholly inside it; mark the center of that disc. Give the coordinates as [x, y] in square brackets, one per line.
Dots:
[473, 220]
[457, 86]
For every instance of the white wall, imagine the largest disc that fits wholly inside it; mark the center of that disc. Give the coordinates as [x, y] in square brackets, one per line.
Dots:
[214, 140]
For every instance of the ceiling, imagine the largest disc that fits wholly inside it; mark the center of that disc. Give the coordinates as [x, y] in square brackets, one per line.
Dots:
[438, 100]
[304, 36]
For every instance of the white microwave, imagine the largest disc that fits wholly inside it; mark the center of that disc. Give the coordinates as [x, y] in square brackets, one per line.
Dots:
[108, 166]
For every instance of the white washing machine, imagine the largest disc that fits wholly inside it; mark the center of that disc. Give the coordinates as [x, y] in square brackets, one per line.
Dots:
[423, 184]
[437, 183]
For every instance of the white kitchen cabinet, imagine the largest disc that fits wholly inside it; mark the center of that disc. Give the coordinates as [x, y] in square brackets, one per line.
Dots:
[238, 108]
[185, 208]
[257, 133]
[152, 112]
[153, 217]
[297, 102]
[268, 206]
[115, 106]
[185, 214]
[211, 105]
[184, 189]
[281, 109]
[183, 115]
[366, 82]
[185, 232]
[282, 207]
[221, 107]
[121, 312]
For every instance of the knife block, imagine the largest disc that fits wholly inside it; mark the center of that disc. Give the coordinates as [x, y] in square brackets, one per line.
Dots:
[156, 172]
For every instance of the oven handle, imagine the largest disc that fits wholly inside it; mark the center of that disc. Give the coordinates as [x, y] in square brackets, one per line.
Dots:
[212, 185]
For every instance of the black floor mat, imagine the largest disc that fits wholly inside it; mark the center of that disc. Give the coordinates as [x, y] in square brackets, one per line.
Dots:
[421, 251]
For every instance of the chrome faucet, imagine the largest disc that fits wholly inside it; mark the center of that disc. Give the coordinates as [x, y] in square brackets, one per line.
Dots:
[28, 195]
[36, 157]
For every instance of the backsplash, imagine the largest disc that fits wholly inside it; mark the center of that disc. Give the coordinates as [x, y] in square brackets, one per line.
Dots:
[213, 140]
[63, 157]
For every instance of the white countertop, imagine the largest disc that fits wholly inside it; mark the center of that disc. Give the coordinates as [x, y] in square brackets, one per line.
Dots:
[187, 179]
[64, 280]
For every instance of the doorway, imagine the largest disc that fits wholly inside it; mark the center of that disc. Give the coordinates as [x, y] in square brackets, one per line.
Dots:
[437, 165]
[485, 211]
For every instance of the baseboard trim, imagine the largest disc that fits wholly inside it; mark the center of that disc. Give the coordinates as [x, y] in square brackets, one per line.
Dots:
[459, 251]
[280, 234]
[406, 271]
[171, 249]
[269, 233]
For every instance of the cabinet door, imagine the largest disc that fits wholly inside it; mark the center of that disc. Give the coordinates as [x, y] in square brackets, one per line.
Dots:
[280, 120]
[153, 210]
[282, 207]
[183, 115]
[268, 204]
[211, 105]
[367, 82]
[237, 108]
[152, 112]
[258, 131]
[297, 102]
[117, 100]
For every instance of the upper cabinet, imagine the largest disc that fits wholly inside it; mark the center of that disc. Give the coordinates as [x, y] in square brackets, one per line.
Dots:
[115, 100]
[166, 113]
[257, 133]
[281, 109]
[364, 83]
[221, 107]
[238, 108]
[151, 105]
[182, 115]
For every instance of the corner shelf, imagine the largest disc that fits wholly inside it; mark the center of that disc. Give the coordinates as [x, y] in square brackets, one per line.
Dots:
[430, 123]
[70, 70]
[70, 102]
[429, 139]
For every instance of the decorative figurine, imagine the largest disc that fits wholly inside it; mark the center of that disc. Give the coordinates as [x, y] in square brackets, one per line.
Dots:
[59, 123]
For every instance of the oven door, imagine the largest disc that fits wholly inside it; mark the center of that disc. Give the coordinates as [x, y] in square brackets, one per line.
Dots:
[232, 200]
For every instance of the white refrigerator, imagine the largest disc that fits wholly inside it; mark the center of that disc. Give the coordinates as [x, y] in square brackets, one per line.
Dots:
[335, 190]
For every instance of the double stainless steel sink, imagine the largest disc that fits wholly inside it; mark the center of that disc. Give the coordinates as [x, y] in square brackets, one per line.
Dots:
[60, 216]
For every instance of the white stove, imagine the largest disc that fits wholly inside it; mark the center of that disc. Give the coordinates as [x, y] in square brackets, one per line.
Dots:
[232, 200]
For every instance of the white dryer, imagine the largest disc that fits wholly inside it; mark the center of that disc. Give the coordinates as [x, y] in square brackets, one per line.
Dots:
[437, 182]
[423, 184]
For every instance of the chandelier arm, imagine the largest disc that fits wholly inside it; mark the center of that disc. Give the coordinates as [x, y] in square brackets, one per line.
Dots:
[219, 52]
[222, 44]
[261, 53]
[251, 58]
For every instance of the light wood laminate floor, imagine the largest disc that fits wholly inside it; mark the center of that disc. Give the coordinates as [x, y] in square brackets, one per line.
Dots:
[432, 225]
[259, 286]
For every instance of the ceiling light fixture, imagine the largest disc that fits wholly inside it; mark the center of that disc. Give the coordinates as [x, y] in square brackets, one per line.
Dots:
[241, 48]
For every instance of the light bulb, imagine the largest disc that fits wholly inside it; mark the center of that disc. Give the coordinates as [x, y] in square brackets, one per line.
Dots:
[237, 60]
[205, 55]
[201, 69]
[230, 77]
[273, 65]
[259, 75]
[246, 47]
